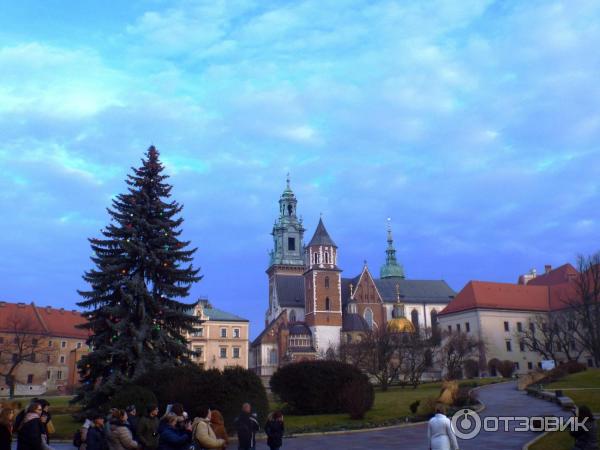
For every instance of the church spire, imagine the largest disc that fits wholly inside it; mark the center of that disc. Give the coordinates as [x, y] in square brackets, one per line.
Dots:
[391, 268]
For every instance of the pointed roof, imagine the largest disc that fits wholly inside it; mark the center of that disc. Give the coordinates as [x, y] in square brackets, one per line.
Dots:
[321, 236]
[391, 268]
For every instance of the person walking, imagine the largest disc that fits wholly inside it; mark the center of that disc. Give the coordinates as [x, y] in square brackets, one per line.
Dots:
[202, 434]
[172, 437]
[440, 433]
[586, 438]
[246, 426]
[217, 423]
[148, 428]
[274, 429]
[95, 435]
[119, 437]
[29, 435]
[7, 416]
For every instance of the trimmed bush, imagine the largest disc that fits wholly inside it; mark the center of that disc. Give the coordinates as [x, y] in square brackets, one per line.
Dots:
[132, 394]
[358, 397]
[506, 368]
[194, 387]
[414, 406]
[315, 387]
[471, 368]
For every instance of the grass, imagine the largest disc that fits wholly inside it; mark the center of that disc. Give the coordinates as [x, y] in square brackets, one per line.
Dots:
[390, 407]
[591, 397]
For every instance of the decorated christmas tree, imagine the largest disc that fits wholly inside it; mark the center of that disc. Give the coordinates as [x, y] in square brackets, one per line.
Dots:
[135, 317]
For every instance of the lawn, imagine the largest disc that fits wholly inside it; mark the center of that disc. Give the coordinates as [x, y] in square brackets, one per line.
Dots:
[590, 397]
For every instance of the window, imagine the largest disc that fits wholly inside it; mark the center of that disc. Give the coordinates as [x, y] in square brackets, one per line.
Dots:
[48, 356]
[49, 343]
[236, 352]
[223, 332]
[530, 365]
[33, 357]
[508, 346]
[199, 352]
[369, 317]
[59, 374]
[326, 257]
[236, 333]
[199, 332]
[532, 327]
[223, 352]
[34, 342]
[467, 327]
[273, 356]
[458, 327]
[540, 365]
[327, 304]
[522, 346]
[516, 365]
[519, 327]
[291, 244]
[62, 359]
[326, 282]
[414, 318]
[506, 327]
[30, 378]
[63, 344]
[48, 374]
[316, 258]
[293, 316]
[79, 345]
[449, 328]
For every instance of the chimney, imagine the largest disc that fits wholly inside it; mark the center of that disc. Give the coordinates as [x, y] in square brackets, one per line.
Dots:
[547, 268]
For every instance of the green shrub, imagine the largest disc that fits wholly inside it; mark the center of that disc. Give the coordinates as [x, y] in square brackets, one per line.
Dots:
[465, 396]
[471, 368]
[193, 388]
[414, 406]
[358, 397]
[314, 387]
[132, 394]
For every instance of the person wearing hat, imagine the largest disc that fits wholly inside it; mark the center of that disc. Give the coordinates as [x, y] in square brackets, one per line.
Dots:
[96, 438]
[132, 421]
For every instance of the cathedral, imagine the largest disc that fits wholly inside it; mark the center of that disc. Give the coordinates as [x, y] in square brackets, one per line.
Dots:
[312, 308]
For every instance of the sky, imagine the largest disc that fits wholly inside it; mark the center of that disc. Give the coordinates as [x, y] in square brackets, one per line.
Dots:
[474, 125]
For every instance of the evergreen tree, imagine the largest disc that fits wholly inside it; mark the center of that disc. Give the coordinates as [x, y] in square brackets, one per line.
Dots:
[135, 319]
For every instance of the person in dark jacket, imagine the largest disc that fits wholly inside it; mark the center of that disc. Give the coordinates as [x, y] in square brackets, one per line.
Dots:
[274, 429]
[172, 437]
[148, 429]
[586, 438]
[132, 420]
[96, 437]
[31, 429]
[246, 426]
[6, 428]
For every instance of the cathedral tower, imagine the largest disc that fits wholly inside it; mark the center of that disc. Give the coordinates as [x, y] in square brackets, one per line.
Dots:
[322, 285]
[391, 268]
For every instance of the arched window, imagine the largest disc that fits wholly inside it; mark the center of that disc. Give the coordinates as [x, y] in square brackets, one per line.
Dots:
[326, 257]
[368, 315]
[290, 209]
[273, 356]
[327, 304]
[315, 258]
[414, 318]
[326, 282]
[293, 316]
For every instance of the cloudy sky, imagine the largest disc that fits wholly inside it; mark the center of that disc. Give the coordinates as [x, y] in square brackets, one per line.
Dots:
[474, 125]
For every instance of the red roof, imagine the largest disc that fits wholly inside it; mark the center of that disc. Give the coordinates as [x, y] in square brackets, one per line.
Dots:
[484, 294]
[41, 320]
[560, 275]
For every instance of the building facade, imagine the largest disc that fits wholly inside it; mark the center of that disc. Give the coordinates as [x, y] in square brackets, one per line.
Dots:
[500, 314]
[51, 339]
[222, 339]
[312, 308]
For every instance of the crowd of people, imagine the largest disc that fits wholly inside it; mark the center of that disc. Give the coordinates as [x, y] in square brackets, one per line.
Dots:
[123, 429]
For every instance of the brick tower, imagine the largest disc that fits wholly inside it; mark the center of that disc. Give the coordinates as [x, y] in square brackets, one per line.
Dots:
[322, 286]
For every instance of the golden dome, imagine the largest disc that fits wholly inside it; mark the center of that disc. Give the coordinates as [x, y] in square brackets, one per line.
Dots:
[400, 325]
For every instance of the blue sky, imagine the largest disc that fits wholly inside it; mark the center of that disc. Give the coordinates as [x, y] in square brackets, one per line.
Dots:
[474, 125]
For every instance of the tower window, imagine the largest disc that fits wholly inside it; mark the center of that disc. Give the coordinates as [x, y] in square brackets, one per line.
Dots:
[315, 258]
[291, 243]
[326, 282]
[369, 317]
[290, 210]
[326, 257]
[327, 304]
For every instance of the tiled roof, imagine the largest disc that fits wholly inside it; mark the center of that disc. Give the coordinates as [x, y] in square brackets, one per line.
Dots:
[559, 275]
[321, 236]
[354, 322]
[299, 328]
[290, 290]
[489, 295]
[345, 286]
[415, 291]
[42, 320]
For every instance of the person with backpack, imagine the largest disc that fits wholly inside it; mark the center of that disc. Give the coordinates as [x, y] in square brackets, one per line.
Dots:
[203, 436]
[274, 429]
[30, 430]
[247, 427]
[96, 438]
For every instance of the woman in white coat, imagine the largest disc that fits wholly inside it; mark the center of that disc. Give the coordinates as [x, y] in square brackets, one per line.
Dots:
[440, 433]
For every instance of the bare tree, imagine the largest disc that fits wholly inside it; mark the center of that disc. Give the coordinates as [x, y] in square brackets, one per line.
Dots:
[552, 336]
[456, 348]
[585, 305]
[21, 343]
[416, 350]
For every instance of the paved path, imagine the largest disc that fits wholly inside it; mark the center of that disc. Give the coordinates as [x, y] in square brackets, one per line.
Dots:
[500, 400]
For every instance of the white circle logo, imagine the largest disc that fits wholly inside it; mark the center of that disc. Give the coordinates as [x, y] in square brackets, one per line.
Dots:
[466, 423]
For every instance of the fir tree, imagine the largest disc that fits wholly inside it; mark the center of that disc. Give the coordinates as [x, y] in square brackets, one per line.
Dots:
[135, 319]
